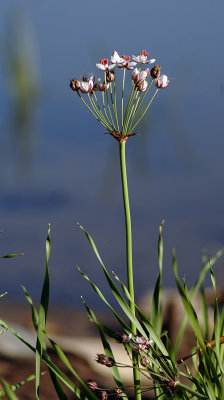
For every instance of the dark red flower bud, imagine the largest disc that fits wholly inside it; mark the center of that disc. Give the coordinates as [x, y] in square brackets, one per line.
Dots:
[105, 360]
[91, 384]
[121, 338]
[74, 84]
[145, 362]
[155, 72]
[110, 76]
[101, 394]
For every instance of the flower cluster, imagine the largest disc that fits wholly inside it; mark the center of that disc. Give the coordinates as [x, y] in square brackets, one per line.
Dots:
[102, 393]
[120, 125]
[137, 344]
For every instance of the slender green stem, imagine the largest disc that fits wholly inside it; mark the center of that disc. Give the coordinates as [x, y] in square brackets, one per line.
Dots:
[127, 213]
[133, 111]
[96, 116]
[108, 104]
[122, 101]
[113, 105]
[115, 100]
[144, 95]
[104, 108]
[133, 127]
[97, 109]
[130, 101]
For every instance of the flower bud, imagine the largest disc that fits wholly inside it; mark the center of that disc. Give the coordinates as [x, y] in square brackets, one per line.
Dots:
[141, 86]
[101, 394]
[74, 84]
[155, 71]
[110, 76]
[91, 384]
[145, 362]
[105, 360]
[101, 86]
[122, 338]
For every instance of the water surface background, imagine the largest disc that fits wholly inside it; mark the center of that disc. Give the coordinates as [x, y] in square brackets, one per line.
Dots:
[58, 166]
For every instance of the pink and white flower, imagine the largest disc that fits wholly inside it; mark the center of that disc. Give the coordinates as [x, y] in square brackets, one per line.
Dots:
[101, 86]
[161, 82]
[103, 65]
[139, 76]
[126, 63]
[115, 58]
[142, 58]
[86, 85]
[141, 86]
[140, 343]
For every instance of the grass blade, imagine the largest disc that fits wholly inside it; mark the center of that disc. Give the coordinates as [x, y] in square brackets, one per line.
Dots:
[42, 315]
[194, 290]
[107, 348]
[18, 385]
[156, 316]
[8, 391]
[121, 302]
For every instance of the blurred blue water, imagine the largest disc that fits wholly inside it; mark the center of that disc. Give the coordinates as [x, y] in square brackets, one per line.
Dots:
[58, 166]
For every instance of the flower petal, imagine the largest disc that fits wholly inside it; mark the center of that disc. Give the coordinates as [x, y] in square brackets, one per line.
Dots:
[115, 58]
[101, 67]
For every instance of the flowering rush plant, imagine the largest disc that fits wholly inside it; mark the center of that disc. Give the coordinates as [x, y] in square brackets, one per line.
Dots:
[121, 126]
[152, 355]
[106, 110]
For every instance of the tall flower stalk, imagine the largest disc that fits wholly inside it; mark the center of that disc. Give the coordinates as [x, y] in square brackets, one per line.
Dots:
[106, 112]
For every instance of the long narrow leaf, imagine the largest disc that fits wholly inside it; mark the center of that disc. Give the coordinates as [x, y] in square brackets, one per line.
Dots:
[107, 349]
[35, 317]
[122, 303]
[156, 312]
[12, 255]
[146, 321]
[8, 391]
[65, 360]
[42, 315]
[194, 290]
[113, 287]
[189, 309]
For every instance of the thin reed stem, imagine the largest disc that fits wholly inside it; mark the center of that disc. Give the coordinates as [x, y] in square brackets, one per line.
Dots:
[115, 101]
[133, 111]
[105, 111]
[122, 101]
[127, 213]
[98, 119]
[101, 116]
[108, 104]
[133, 127]
[144, 95]
[130, 100]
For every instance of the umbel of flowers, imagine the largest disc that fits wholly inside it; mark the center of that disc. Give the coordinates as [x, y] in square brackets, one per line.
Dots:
[104, 105]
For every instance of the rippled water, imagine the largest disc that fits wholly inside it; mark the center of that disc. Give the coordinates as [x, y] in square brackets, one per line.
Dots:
[57, 165]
